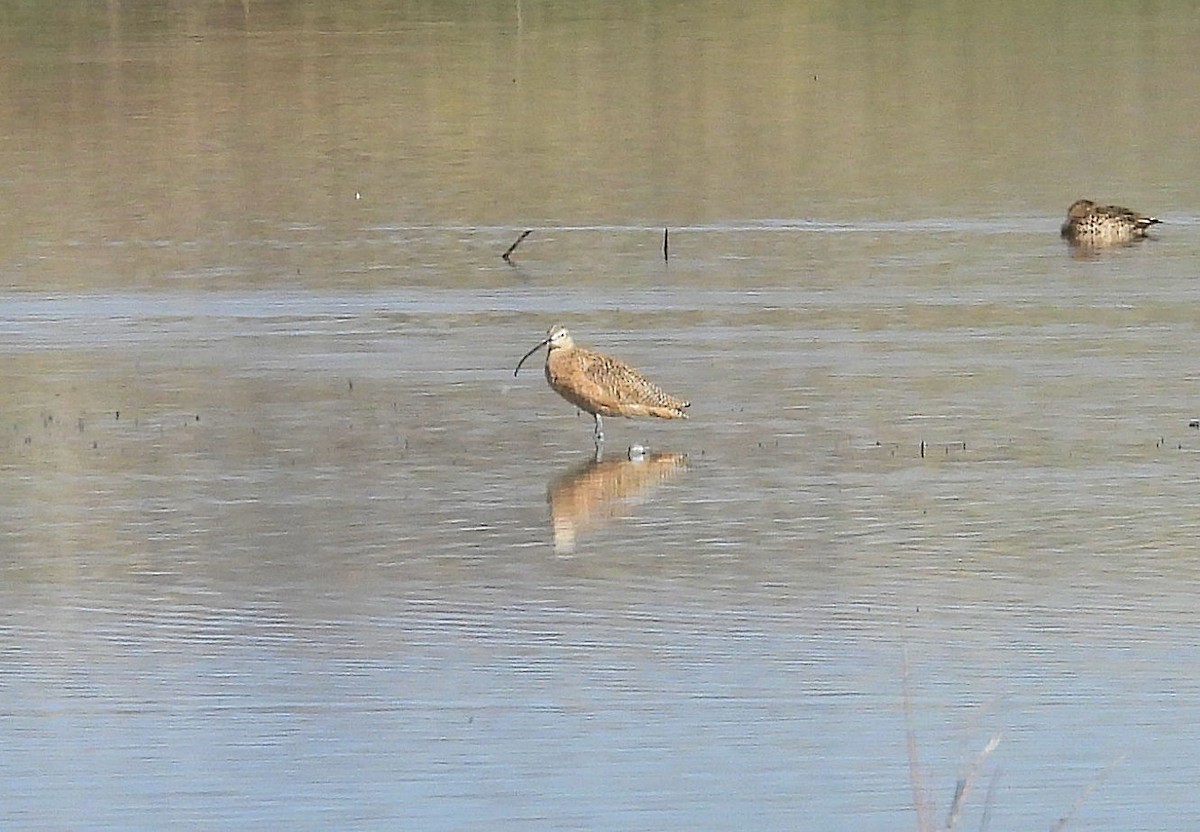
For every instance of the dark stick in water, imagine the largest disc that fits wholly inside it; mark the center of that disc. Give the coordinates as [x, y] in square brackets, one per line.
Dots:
[506, 255]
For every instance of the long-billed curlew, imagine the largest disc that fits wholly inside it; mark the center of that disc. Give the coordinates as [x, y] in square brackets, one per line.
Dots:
[1089, 224]
[600, 384]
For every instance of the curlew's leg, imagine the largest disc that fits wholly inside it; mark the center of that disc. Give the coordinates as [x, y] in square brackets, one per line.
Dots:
[599, 432]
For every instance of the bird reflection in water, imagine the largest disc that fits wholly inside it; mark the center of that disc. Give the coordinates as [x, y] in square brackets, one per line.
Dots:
[603, 490]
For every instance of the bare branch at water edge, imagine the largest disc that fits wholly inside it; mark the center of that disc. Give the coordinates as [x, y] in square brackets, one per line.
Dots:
[964, 785]
[922, 802]
[1088, 789]
[508, 254]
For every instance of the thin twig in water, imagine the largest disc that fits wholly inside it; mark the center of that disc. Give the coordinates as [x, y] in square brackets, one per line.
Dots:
[508, 254]
[921, 801]
[989, 801]
[666, 246]
[965, 784]
[1096, 781]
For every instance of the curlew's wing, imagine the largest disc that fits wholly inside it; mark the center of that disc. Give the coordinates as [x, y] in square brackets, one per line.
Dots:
[621, 387]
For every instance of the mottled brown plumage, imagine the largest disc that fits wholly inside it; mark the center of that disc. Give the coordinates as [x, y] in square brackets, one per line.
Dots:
[600, 384]
[1103, 225]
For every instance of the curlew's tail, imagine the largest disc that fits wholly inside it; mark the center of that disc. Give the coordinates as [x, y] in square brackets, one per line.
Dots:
[668, 412]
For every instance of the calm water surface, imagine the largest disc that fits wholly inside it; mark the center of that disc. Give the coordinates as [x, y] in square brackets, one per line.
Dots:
[284, 544]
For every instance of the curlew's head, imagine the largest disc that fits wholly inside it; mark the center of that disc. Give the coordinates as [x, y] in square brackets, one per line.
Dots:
[557, 338]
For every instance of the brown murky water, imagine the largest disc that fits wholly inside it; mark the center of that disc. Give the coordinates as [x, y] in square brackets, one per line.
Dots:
[284, 544]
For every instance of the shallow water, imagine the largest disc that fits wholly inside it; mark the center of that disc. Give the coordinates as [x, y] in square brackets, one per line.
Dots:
[284, 543]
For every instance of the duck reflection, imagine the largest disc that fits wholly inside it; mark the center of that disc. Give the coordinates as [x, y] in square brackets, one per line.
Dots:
[601, 490]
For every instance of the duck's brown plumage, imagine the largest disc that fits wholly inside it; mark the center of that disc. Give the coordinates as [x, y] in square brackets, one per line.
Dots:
[1090, 224]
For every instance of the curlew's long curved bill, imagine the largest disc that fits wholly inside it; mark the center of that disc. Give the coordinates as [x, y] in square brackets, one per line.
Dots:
[541, 344]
